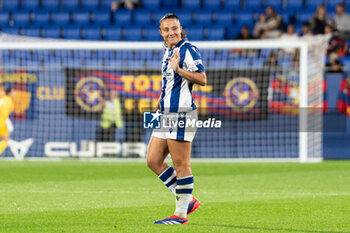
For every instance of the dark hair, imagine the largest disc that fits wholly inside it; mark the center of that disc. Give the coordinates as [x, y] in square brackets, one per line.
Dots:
[341, 5]
[172, 16]
[7, 90]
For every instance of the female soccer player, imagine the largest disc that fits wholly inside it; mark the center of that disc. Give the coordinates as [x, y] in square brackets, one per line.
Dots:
[6, 107]
[181, 69]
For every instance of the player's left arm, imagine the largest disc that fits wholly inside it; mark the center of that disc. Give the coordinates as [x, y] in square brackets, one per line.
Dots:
[195, 77]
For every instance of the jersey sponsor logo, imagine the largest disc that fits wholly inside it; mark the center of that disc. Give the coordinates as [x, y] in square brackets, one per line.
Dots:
[89, 94]
[241, 94]
[20, 149]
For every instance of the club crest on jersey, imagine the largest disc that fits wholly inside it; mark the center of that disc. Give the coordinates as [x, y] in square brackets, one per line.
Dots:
[241, 94]
[89, 94]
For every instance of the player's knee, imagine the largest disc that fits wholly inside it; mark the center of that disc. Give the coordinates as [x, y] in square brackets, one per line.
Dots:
[152, 163]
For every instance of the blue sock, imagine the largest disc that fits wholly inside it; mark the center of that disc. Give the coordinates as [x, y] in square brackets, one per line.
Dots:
[168, 176]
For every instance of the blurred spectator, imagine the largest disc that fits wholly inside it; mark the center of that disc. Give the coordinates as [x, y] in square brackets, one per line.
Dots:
[305, 29]
[260, 27]
[334, 65]
[271, 64]
[274, 23]
[342, 21]
[320, 20]
[245, 34]
[290, 35]
[128, 4]
[336, 43]
[111, 118]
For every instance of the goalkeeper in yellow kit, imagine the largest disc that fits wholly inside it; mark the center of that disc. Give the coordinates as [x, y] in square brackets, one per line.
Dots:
[6, 108]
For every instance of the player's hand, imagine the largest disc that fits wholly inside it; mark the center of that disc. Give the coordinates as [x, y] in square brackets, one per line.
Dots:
[175, 60]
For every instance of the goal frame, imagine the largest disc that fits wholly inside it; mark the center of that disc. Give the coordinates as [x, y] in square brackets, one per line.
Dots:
[251, 44]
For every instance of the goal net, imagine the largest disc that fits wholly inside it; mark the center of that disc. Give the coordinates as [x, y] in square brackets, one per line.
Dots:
[87, 99]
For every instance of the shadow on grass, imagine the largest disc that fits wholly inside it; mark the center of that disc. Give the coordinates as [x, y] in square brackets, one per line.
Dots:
[267, 229]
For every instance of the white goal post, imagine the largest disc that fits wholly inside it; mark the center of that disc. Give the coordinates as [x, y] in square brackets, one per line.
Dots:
[281, 120]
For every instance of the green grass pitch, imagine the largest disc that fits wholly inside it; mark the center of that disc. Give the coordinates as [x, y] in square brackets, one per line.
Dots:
[75, 196]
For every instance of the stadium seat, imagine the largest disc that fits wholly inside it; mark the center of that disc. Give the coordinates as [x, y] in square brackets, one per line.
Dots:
[51, 32]
[152, 34]
[195, 33]
[215, 33]
[92, 33]
[72, 32]
[122, 17]
[21, 18]
[133, 33]
[232, 4]
[31, 31]
[293, 4]
[185, 17]
[277, 4]
[211, 4]
[10, 4]
[223, 17]
[101, 17]
[41, 18]
[93, 63]
[151, 4]
[10, 30]
[142, 17]
[313, 4]
[31, 5]
[50, 4]
[254, 5]
[70, 4]
[61, 18]
[304, 16]
[158, 14]
[90, 4]
[244, 18]
[112, 33]
[81, 17]
[106, 4]
[4, 19]
[170, 4]
[192, 5]
[331, 4]
[204, 17]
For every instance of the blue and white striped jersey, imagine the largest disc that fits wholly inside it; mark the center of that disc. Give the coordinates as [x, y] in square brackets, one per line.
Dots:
[177, 91]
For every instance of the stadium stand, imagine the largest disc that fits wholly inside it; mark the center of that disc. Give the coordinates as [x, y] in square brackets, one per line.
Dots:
[81, 18]
[203, 17]
[232, 4]
[90, 4]
[70, 4]
[20, 18]
[50, 4]
[192, 5]
[211, 4]
[10, 4]
[292, 5]
[123, 17]
[133, 33]
[142, 17]
[41, 18]
[151, 4]
[31, 5]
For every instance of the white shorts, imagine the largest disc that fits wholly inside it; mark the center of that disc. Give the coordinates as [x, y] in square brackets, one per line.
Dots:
[178, 126]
